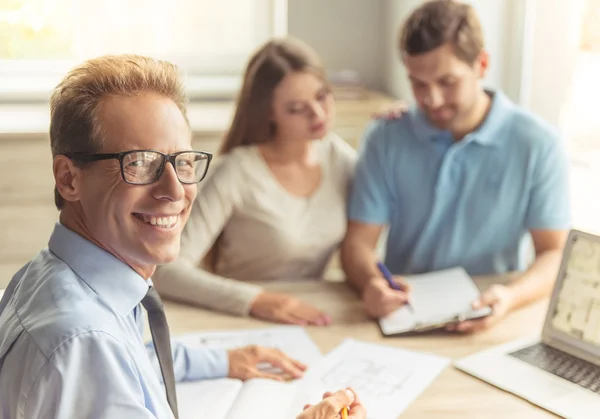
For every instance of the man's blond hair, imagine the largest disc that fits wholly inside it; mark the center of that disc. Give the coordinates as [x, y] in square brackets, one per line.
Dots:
[76, 103]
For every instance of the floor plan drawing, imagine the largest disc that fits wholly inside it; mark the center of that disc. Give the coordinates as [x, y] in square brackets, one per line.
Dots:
[578, 308]
[367, 377]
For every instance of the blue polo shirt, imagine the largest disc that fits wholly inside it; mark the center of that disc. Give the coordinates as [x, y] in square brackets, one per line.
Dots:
[469, 203]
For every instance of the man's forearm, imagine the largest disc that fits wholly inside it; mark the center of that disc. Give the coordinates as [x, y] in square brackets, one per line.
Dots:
[537, 282]
[191, 363]
[359, 263]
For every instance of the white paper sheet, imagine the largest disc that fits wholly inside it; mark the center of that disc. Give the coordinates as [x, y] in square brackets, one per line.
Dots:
[434, 296]
[443, 293]
[401, 320]
[387, 379]
[292, 340]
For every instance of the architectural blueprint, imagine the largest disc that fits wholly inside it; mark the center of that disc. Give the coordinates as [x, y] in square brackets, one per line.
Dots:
[578, 308]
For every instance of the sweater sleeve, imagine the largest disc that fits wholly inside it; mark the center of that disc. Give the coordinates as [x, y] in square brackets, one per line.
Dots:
[183, 280]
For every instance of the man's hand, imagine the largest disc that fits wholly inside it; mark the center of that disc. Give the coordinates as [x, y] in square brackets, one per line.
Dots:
[243, 364]
[283, 308]
[499, 297]
[332, 405]
[380, 300]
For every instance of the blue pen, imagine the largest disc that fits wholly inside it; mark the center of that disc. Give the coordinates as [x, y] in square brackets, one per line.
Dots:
[387, 275]
[390, 279]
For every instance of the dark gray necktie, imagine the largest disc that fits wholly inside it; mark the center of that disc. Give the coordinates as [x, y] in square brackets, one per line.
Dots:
[162, 343]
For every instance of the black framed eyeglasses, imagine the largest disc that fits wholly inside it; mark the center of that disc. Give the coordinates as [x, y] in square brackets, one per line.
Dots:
[142, 167]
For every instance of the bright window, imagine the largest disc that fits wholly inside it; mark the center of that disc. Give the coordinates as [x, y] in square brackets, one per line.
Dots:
[581, 123]
[40, 39]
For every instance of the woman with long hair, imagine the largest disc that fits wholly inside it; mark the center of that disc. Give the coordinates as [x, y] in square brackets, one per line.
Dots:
[274, 205]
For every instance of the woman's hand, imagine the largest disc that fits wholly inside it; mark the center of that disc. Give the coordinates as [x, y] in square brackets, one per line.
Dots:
[283, 308]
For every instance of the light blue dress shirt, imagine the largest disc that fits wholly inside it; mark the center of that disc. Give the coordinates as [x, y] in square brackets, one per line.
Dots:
[71, 346]
[469, 203]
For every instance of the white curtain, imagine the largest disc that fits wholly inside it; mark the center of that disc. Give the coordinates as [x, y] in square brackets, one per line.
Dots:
[563, 86]
[551, 50]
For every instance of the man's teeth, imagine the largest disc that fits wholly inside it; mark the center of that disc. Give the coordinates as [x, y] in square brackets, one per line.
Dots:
[160, 221]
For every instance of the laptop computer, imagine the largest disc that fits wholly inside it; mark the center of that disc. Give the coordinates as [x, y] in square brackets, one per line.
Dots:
[559, 370]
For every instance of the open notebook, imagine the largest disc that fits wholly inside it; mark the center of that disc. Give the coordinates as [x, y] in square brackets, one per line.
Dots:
[233, 399]
[229, 398]
[437, 299]
[387, 380]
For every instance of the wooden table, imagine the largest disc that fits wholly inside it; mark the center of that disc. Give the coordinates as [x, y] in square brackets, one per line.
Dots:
[452, 395]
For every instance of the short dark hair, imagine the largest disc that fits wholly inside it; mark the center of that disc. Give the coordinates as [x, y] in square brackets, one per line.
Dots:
[438, 22]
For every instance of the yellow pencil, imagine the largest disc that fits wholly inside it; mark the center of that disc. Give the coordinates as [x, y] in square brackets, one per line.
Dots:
[344, 413]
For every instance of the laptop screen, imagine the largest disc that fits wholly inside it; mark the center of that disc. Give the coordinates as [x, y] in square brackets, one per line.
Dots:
[577, 309]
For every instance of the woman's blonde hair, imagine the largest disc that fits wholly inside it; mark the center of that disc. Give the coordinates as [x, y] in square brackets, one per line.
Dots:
[76, 103]
[265, 70]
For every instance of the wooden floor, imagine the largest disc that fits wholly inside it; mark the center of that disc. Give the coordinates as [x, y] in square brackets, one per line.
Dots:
[26, 182]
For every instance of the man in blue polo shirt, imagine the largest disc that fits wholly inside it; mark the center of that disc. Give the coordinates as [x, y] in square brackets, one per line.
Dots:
[465, 178]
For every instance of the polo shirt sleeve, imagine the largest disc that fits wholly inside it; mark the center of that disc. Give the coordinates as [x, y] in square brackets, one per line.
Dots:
[549, 205]
[370, 198]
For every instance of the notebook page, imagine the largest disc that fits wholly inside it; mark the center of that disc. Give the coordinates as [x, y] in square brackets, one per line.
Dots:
[264, 399]
[207, 399]
[386, 379]
[442, 294]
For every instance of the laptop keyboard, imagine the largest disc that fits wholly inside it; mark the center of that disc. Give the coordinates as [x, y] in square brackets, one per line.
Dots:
[573, 369]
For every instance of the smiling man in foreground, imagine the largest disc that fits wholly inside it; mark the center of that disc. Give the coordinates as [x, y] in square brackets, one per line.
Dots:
[71, 320]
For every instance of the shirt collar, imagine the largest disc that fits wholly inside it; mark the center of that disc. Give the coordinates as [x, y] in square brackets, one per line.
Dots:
[486, 134]
[495, 121]
[115, 282]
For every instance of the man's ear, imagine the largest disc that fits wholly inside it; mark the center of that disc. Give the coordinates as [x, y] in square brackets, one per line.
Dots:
[483, 63]
[67, 177]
